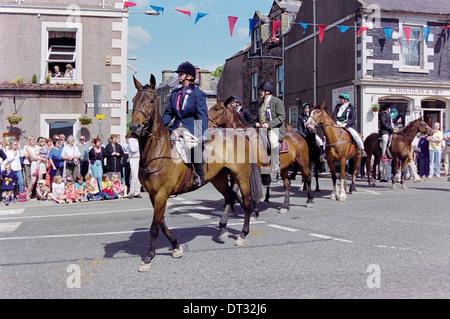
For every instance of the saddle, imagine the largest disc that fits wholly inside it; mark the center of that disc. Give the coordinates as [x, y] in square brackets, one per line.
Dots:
[388, 153]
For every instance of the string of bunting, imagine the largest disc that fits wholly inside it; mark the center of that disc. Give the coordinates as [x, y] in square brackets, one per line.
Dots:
[277, 24]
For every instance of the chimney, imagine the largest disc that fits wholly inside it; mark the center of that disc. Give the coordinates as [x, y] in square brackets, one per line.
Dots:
[166, 75]
[204, 77]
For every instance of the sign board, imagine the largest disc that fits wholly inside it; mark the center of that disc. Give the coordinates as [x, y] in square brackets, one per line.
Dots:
[350, 90]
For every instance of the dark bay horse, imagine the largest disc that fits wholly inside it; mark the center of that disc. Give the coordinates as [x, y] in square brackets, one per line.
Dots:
[399, 149]
[223, 116]
[339, 148]
[162, 172]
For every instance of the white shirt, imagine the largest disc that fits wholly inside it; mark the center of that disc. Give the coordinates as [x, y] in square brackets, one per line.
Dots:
[14, 160]
[70, 151]
[133, 147]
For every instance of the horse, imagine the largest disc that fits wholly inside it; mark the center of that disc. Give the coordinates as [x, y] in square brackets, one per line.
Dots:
[162, 173]
[339, 147]
[224, 116]
[399, 149]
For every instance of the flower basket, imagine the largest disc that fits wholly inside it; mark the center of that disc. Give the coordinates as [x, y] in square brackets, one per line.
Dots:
[375, 107]
[85, 120]
[14, 119]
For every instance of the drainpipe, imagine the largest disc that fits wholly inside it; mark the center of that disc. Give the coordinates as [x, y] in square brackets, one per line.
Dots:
[315, 53]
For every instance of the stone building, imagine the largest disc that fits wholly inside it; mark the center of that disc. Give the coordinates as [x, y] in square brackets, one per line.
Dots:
[412, 72]
[36, 36]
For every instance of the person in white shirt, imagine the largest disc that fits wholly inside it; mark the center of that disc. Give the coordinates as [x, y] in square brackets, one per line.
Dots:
[13, 155]
[133, 151]
[71, 156]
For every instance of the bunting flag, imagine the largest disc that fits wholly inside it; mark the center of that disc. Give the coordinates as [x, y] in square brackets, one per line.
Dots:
[184, 11]
[275, 26]
[157, 9]
[304, 25]
[343, 28]
[251, 25]
[322, 28]
[127, 4]
[199, 16]
[231, 23]
[388, 32]
[426, 33]
[407, 31]
[361, 30]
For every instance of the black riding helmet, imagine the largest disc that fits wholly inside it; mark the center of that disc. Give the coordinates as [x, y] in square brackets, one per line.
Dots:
[187, 68]
[267, 86]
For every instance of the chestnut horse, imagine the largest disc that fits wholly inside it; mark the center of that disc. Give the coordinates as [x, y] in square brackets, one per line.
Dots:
[223, 116]
[399, 149]
[339, 148]
[162, 173]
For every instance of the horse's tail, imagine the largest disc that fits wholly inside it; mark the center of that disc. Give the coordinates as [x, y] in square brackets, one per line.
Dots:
[256, 191]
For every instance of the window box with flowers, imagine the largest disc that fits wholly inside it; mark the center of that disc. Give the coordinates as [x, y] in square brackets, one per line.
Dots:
[85, 120]
[14, 119]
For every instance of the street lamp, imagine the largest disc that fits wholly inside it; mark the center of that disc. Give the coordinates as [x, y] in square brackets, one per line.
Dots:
[152, 13]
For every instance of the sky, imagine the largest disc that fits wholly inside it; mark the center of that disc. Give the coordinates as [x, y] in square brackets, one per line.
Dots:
[163, 42]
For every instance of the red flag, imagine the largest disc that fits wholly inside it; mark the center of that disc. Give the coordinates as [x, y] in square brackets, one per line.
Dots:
[185, 12]
[322, 28]
[407, 31]
[361, 30]
[275, 26]
[231, 23]
[127, 4]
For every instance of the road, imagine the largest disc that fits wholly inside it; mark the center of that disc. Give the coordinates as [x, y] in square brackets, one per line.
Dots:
[380, 243]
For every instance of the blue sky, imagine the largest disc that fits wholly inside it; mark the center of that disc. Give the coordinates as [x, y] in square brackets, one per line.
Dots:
[163, 42]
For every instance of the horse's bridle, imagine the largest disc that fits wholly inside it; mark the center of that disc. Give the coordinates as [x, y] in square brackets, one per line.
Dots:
[220, 115]
[145, 125]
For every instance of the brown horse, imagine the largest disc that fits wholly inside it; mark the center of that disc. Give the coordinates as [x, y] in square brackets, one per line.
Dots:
[223, 116]
[399, 149]
[162, 173]
[338, 149]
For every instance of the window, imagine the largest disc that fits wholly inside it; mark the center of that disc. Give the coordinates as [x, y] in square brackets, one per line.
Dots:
[256, 39]
[254, 87]
[412, 51]
[61, 45]
[280, 80]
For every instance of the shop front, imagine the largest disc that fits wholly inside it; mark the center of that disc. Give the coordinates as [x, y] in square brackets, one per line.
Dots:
[411, 101]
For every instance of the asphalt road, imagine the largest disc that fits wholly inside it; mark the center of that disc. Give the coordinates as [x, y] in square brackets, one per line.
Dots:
[380, 243]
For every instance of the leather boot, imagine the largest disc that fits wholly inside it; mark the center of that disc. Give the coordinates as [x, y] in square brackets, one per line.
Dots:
[199, 175]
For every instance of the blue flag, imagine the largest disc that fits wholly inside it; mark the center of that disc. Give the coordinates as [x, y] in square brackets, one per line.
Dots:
[252, 23]
[304, 25]
[199, 16]
[343, 28]
[426, 33]
[157, 9]
[388, 32]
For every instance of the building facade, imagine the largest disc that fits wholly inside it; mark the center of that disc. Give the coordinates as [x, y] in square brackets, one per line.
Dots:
[410, 70]
[37, 36]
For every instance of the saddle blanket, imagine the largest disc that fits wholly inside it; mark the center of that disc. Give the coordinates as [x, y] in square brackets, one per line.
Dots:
[284, 148]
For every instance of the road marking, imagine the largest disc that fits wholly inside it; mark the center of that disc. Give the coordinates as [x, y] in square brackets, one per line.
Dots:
[283, 228]
[9, 227]
[199, 216]
[332, 238]
[12, 211]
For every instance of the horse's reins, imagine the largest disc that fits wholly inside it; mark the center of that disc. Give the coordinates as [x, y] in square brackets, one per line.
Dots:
[218, 116]
[317, 124]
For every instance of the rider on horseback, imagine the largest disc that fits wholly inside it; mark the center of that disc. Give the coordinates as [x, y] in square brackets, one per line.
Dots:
[271, 116]
[344, 115]
[187, 106]
[386, 128]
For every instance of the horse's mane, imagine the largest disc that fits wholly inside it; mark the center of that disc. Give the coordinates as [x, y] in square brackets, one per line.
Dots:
[404, 130]
[146, 86]
[240, 119]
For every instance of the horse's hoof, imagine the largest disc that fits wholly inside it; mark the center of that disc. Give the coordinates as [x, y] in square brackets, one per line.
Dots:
[239, 242]
[223, 236]
[333, 196]
[403, 186]
[144, 267]
[177, 252]
[283, 210]
[309, 205]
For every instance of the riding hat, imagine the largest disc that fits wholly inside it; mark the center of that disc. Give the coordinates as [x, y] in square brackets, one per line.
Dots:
[385, 107]
[188, 68]
[306, 105]
[345, 96]
[267, 86]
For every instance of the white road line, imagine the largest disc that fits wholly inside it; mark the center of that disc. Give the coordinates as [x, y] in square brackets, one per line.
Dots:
[78, 214]
[332, 238]
[17, 211]
[9, 227]
[199, 216]
[283, 228]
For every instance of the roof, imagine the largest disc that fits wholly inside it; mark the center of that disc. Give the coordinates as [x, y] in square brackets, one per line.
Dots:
[435, 6]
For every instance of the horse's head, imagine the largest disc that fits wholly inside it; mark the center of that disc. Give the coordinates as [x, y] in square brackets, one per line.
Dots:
[217, 113]
[145, 102]
[423, 127]
[317, 117]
